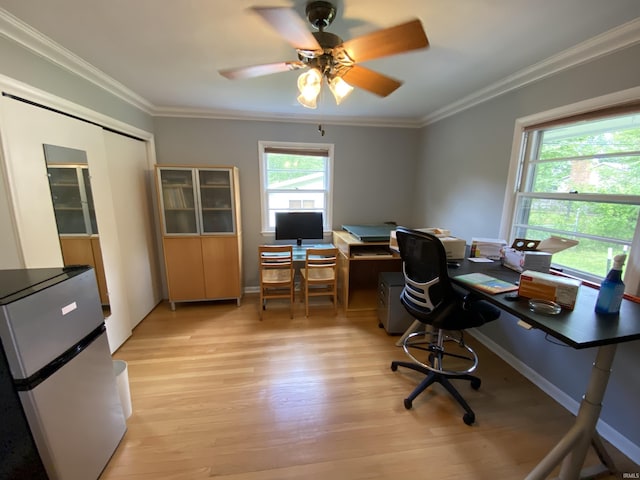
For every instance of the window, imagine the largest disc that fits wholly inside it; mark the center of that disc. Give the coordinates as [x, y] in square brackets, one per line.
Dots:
[579, 178]
[295, 176]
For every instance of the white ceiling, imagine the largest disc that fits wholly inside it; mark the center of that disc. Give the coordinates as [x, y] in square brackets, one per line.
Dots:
[165, 54]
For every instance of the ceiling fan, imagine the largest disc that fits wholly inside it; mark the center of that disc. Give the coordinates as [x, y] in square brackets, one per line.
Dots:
[325, 55]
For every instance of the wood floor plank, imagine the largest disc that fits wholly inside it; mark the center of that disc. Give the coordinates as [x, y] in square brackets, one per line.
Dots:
[216, 393]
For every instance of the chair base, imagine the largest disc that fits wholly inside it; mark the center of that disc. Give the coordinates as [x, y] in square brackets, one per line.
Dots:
[435, 377]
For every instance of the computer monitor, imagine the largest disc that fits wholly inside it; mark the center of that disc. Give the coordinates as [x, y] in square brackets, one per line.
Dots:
[299, 226]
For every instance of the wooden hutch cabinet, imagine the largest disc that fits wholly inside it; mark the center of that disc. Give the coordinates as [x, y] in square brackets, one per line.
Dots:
[201, 232]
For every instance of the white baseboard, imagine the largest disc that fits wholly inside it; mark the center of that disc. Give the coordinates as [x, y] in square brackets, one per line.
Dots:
[607, 432]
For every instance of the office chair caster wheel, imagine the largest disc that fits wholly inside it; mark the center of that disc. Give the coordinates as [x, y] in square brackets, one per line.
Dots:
[394, 367]
[380, 325]
[469, 418]
[408, 403]
[475, 383]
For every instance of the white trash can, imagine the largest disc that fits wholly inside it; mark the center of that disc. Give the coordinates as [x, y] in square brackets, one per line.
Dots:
[122, 379]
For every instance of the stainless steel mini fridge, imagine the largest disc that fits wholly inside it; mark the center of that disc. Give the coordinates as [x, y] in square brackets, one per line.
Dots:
[53, 334]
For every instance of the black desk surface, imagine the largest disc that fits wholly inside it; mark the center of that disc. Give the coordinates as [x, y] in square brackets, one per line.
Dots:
[580, 328]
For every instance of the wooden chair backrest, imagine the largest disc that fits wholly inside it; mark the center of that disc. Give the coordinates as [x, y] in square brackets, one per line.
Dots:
[321, 258]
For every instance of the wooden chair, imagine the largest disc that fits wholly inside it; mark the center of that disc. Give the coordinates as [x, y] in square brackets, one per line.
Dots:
[276, 274]
[320, 275]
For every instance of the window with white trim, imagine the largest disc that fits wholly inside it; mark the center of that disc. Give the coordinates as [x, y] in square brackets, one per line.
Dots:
[295, 177]
[579, 178]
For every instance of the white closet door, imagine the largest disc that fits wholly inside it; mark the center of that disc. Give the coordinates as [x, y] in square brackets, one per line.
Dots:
[132, 181]
[10, 254]
[25, 129]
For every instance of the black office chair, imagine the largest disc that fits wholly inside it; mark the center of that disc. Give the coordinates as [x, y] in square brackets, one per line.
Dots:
[429, 297]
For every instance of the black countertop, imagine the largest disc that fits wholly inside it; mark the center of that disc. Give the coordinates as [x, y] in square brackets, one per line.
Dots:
[579, 328]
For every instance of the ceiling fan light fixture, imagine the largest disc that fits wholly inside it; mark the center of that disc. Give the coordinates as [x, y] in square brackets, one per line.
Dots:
[309, 84]
[328, 56]
[339, 88]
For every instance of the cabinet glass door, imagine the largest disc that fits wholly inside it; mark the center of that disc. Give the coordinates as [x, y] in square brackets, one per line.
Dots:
[72, 200]
[216, 201]
[178, 201]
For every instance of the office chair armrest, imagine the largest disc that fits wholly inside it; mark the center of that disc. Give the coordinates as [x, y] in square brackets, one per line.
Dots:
[479, 311]
[468, 299]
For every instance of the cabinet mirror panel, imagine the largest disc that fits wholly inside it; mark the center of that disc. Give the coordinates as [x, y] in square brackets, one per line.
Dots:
[70, 185]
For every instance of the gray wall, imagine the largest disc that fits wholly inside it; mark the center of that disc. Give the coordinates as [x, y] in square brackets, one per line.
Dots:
[20, 64]
[373, 168]
[472, 150]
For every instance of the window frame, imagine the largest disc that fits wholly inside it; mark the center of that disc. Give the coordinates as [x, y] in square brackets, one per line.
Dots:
[519, 165]
[324, 148]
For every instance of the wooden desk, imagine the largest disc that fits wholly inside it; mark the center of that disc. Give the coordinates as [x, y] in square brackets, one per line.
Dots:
[300, 252]
[580, 328]
[359, 264]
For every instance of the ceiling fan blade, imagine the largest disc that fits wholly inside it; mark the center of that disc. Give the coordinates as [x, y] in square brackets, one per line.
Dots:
[389, 41]
[260, 70]
[371, 81]
[290, 26]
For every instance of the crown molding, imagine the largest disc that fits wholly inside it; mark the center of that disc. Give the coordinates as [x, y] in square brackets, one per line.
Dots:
[615, 39]
[288, 118]
[46, 99]
[618, 38]
[16, 30]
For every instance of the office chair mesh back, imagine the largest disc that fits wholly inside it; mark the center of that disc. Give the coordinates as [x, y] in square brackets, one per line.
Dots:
[430, 298]
[427, 288]
[428, 294]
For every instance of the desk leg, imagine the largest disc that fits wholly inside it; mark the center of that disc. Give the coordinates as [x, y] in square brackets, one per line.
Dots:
[606, 460]
[572, 448]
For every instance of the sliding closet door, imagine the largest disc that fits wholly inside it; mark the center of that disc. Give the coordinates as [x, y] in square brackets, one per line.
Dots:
[132, 181]
[10, 254]
[26, 129]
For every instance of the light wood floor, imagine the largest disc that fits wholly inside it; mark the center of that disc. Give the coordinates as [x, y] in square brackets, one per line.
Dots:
[217, 393]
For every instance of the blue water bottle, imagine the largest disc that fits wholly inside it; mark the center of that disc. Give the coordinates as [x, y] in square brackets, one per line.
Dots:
[612, 288]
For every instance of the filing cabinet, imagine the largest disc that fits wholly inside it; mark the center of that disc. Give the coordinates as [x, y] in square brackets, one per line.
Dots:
[391, 313]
